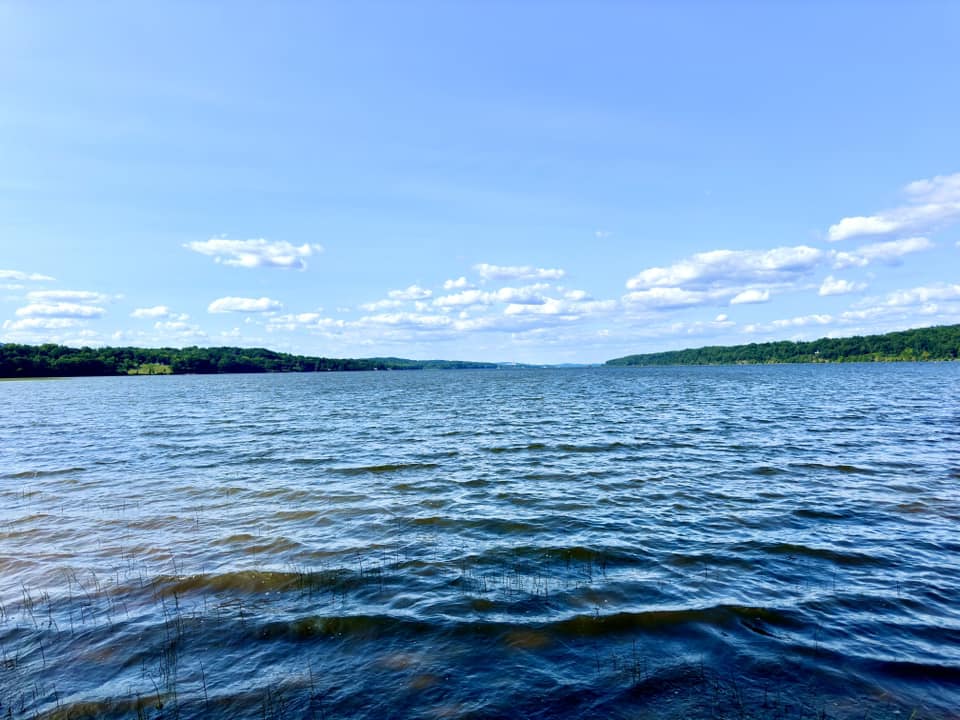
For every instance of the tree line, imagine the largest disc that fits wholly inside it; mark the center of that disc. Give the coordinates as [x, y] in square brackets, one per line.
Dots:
[933, 343]
[61, 361]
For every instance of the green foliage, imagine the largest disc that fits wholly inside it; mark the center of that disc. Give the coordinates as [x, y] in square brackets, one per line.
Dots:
[151, 369]
[60, 361]
[935, 343]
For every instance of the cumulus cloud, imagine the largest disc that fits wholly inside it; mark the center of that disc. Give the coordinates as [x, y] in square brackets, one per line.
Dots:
[40, 323]
[517, 272]
[66, 296]
[838, 286]
[731, 267]
[381, 305]
[256, 253]
[922, 295]
[787, 323]
[750, 296]
[528, 295]
[556, 306]
[18, 276]
[157, 311]
[244, 305]
[179, 328]
[467, 297]
[459, 284]
[887, 252]
[930, 203]
[304, 321]
[408, 320]
[668, 298]
[414, 292]
[60, 310]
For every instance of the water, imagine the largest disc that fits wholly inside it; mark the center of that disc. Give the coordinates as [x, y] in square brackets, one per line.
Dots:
[669, 542]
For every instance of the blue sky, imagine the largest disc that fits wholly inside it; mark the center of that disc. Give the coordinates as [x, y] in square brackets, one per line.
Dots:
[518, 181]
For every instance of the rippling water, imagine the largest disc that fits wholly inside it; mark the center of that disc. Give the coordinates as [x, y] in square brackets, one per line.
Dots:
[669, 542]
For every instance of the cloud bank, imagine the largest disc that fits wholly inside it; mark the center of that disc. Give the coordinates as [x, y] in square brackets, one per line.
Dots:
[930, 204]
[244, 305]
[256, 253]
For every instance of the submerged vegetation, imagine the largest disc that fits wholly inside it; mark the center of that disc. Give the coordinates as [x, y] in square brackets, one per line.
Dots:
[934, 343]
[61, 361]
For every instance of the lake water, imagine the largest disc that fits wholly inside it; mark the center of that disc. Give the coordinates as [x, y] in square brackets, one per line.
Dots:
[775, 542]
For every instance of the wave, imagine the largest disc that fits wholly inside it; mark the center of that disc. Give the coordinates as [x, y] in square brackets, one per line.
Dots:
[381, 469]
[567, 448]
[30, 474]
[841, 468]
[791, 550]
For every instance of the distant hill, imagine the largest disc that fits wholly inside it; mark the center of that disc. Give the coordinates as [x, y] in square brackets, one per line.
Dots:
[934, 343]
[61, 361]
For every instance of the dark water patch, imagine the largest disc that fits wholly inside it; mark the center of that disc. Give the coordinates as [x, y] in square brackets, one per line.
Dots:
[840, 468]
[671, 621]
[591, 448]
[530, 447]
[809, 513]
[767, 471]
[381, 469]
[308, 461]
[792, 551]
[709, 559]
[35, 474]
[297, 515]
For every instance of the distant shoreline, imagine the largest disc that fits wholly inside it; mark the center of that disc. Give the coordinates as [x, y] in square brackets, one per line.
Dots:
[933, 344]
[941, 343]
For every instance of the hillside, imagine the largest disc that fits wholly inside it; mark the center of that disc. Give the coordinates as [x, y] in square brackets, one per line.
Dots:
[934, 343]
[61, 361]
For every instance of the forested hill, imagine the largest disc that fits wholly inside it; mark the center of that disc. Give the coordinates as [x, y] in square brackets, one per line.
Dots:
[61, 361]
[935, 343]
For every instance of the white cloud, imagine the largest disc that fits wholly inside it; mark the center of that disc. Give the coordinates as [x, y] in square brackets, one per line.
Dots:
[750, 296]
[409, 320]
[157, 311]
[921, 295]
[256, 253]
[838, 286]
[180, 329]
[304, 321]
[459, 284]
[731, 267]
[530, 295]
[24, 277]
[794, 322]
[40, 323]
[556, 306]
[517, 272]
[931, 203]
[667, 298]
[414, 292]
[66, 296]
[467, 297]
[246, 305]
[381, 305]
[887, 252]
[60, 310]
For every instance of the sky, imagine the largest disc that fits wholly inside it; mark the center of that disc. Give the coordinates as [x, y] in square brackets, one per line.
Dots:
[543, 182]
